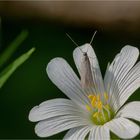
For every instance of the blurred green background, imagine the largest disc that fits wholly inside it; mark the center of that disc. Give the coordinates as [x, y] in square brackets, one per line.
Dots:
[30, 85]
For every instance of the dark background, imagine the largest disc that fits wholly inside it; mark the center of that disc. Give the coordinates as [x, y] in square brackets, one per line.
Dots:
[30, 85]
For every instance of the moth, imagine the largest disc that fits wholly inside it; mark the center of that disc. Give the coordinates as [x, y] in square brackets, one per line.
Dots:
[86, 77]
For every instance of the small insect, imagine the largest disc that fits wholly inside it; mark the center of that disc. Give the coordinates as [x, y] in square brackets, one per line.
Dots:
[85, 66]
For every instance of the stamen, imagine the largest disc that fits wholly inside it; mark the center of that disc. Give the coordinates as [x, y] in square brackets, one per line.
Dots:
[99, 110]
[107, 106]
[93, 102]
[108, 111]
[106, 96]
[98, 97]
[90, 97]
[103, 115]
[99, 105]
[95, 115]
[88, 108]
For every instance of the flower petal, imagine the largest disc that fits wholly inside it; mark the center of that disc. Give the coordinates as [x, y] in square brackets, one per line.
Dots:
[78, 133]
[99, 133]
[56, 125]
[66, 80]
[96, 73]
[130, 84]
[55, 108]
[123, 128]
[116, 75]
[131, 110]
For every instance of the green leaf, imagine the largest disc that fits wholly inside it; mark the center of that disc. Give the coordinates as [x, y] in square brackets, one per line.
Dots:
[6, 73]
[4, 57]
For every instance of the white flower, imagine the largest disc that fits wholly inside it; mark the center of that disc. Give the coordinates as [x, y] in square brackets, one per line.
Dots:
[93, 112]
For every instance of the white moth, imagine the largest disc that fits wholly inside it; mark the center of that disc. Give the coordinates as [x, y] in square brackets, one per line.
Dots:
[85, 66]
[86, 74]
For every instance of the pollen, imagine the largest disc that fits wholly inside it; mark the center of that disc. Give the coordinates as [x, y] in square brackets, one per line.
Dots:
[99, 109]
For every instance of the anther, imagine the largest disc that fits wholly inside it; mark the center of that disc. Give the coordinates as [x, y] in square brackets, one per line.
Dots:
[90, 97]
[88, 108]
[93, 102]
[99, 105]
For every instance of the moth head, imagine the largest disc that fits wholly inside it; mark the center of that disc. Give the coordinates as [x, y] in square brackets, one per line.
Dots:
[85, 48]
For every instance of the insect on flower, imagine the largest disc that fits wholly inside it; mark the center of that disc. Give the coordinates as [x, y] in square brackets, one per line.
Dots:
[94, 109]
[85, 67]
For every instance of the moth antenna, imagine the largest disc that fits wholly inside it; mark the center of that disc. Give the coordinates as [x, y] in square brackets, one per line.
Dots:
[91, 40]
[93, 37]
[72, 40]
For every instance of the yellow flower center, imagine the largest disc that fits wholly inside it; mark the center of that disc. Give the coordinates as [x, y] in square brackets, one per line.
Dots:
[99, 109]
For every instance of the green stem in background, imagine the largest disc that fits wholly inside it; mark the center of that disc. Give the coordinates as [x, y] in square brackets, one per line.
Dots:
[4, 57]
[6, 73]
